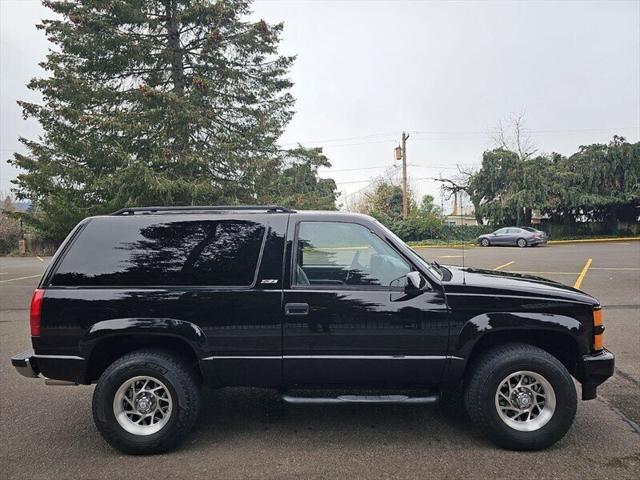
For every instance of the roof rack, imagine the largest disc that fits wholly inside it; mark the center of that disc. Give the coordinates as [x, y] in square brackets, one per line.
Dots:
[151, 210]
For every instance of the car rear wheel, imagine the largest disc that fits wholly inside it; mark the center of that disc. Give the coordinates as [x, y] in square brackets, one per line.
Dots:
[484, 242]
[521, 397]
[146, 402]
[522, 242]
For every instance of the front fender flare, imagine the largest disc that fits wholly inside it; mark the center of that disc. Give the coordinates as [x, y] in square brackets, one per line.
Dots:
[488, 323]
[519, 323]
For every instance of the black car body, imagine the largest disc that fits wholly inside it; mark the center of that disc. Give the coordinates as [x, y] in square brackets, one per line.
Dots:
[270, 297]
[513, 236]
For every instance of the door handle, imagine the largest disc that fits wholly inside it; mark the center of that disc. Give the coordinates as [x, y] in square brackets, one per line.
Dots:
[296, 309]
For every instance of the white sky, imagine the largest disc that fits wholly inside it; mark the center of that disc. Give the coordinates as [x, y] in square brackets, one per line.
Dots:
[367, 70]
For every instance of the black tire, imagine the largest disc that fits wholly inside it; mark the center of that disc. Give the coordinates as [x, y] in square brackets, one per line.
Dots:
[485, 242]
[521, 242]
[180, 380]
[488, 373]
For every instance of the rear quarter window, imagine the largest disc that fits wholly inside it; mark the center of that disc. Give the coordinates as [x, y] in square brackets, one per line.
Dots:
[151, 251]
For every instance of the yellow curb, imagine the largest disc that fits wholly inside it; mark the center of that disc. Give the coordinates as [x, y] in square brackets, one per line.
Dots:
[584, 240]
[593, 240]
[446, 245]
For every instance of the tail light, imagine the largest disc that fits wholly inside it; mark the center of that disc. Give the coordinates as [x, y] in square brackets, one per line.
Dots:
[35, 313]
[598, 329]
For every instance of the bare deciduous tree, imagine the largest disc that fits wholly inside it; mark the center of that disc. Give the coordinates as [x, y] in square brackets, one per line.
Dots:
[361, 200]
[511, 134]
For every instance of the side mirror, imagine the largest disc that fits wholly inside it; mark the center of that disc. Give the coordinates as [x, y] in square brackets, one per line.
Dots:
[415, 283]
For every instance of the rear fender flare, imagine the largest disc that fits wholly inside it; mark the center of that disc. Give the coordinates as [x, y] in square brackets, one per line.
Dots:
[167, 327]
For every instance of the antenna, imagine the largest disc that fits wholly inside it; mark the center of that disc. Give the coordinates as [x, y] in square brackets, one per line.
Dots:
[462, 224]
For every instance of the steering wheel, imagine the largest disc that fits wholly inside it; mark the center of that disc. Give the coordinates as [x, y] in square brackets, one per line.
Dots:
[354, 266]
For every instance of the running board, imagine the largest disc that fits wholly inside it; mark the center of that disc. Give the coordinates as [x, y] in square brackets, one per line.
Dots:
[342, 399]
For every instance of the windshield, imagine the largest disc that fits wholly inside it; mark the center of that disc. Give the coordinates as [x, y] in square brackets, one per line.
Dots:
[434, 270]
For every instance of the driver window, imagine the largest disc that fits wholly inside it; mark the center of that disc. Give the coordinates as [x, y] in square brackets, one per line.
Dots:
[336, 253]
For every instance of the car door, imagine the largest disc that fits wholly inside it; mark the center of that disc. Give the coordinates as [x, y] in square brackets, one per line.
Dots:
[506, 237]
[514, 234]
[347, 319]
[501, 237]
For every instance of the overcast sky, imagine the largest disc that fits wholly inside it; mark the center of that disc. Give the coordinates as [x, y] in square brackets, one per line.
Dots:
[445, 72]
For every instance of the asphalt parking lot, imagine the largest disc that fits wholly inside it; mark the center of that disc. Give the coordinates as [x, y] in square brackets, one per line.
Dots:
[48, 432]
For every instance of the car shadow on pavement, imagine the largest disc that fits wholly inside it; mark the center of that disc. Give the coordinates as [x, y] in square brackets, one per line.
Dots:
[230, 414]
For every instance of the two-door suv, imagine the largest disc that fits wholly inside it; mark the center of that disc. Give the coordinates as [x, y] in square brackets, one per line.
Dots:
[327, 307]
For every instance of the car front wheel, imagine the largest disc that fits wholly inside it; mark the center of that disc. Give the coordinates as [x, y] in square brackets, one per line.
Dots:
[484, 242]
[521, 397]
[522, 242]
[146, 402]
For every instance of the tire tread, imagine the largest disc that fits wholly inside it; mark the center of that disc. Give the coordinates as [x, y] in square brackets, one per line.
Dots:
[486, 367]
[186, 414]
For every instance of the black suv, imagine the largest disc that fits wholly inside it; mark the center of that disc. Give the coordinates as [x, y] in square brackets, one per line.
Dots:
[327, 307]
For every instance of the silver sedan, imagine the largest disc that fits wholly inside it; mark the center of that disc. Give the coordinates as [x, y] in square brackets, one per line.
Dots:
[512, 236]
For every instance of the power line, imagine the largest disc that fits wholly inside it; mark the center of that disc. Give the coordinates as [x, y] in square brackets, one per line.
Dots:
[531, 131]
[332, 170]
[411, 179]
[335, 142]
[444, 167]
[343, 139]
[329, 141]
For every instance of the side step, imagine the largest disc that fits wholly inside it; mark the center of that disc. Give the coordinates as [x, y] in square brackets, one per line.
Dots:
[343, 399]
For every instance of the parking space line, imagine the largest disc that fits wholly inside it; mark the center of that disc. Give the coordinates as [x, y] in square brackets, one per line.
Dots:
[583, 273]
[634, 269]
[545, 273]
[449, 256]
[500, 267]
[20, 278]
[42, 260]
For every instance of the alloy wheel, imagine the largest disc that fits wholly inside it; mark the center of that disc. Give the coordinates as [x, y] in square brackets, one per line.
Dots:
[142, 405]
[525, 401]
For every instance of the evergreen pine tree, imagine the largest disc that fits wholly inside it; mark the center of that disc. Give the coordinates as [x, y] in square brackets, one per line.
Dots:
[149, 102]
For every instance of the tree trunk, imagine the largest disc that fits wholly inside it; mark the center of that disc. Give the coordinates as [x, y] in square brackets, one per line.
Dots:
[527, 215]
[177, 58]
[476, 210]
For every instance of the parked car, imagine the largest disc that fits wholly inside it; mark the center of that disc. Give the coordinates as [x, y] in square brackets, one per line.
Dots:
[544, 235]
[513, 236]
[151, 304]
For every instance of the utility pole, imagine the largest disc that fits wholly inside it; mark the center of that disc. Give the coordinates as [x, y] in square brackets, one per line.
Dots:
[401, 154]
[405, 194]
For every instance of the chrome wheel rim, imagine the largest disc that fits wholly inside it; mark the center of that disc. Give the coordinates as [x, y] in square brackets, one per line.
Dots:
[142, 405]
[525, 401]
[522, 243]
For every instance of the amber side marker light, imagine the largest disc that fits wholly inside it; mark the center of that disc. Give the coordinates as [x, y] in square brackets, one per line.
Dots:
[598, 330]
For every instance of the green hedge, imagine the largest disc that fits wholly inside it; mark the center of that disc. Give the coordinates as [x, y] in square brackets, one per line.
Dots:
[419, 230]
[415, 230]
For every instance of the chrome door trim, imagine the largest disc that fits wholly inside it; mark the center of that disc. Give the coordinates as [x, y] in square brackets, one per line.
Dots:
[333, 357]
[59, 357]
